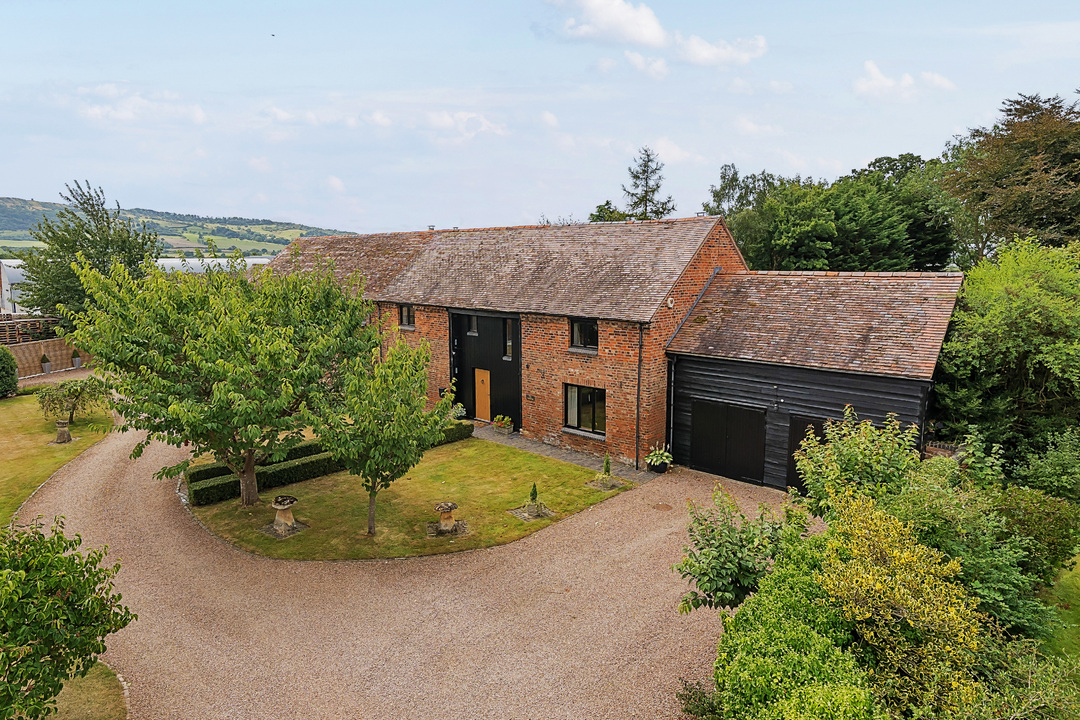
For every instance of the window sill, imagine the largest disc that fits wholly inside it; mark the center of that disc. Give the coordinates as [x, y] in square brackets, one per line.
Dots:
[410, 328]
[582, 350]
[602, 437]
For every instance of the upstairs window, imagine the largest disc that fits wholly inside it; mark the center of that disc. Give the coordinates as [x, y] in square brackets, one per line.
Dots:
[508, 339]
[408, 317]
[586, 408]
[472, 325]
[584, 334]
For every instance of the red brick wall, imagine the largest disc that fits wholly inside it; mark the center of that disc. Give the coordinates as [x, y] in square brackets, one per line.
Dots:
[432, 325]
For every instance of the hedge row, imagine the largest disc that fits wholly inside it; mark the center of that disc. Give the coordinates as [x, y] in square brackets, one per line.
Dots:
[213, 483]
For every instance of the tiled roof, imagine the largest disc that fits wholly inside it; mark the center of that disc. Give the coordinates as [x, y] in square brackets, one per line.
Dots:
[876, 323]
[619, 271]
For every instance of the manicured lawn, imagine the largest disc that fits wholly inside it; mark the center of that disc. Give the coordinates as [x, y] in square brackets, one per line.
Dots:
[28, 458]
[485, 479]
[98, 696]
[1066, 596]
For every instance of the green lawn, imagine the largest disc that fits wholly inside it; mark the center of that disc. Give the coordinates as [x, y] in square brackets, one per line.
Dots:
[485, 479]
[1066, 596]
[29, 459]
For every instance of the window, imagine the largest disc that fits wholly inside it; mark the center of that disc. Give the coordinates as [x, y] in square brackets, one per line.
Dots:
[408, 316]
[508, 339]
[584, 334]
[586, 408]
[472, 325]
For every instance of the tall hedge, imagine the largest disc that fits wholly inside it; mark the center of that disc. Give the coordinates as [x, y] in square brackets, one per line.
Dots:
[9, 373]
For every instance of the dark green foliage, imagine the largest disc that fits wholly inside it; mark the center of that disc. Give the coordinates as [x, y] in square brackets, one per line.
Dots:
[85, 227]
[1011, 362]
[607, 464]
[728, 554]
[217, 469]
[643, 201]
[456, 430]
[226, 487]
[9, 373]
[607, 212]
[1055, 470]
[1051, 525]
[57, 606]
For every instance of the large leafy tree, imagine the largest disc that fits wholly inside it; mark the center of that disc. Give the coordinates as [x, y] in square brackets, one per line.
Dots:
[643, 199]
[1011, 361]
[607, 212]
[228, 362]
[57, 606]
[1022, 175]
[85, 227]
[380, 427]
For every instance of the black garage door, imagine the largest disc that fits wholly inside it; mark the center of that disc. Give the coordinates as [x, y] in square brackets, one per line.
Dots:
[728, 440]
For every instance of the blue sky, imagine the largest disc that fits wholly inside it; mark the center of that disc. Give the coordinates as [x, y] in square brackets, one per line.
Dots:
[376, 116]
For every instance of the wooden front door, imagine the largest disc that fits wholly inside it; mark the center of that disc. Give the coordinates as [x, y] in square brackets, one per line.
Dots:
[482, 386]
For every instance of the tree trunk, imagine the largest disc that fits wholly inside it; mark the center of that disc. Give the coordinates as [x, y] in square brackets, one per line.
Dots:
[249, 489]
[371, 512]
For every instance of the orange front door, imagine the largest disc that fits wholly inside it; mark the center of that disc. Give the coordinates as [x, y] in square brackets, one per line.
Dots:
[482, 384]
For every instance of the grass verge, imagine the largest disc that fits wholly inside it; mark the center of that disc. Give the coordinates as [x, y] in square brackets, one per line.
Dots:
[98, 696]
[1065, 595]
[29, 459]
[485, 479]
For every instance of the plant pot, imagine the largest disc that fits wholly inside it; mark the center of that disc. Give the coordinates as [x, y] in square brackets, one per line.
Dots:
[660, 468]
[503, 430]
[46, 367]
[76, 362]
[531, 509]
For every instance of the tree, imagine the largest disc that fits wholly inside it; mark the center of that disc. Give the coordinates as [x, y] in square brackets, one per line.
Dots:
[1010, 364]
[56, 608]
[9, 373]
[736, 193]
[607, 212]
[380, 430]
[85, 227]
[230, 362]
[72, 396]
[643, 196]
[1022, 175]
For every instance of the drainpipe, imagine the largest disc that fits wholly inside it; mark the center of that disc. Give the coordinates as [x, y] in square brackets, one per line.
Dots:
[637, 422]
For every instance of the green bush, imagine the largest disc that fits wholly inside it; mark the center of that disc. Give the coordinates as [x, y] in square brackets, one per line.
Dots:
[217, 469]
[456, 430]
[9, 373]
[1051, 525]
[1056, 470]
[226, 487]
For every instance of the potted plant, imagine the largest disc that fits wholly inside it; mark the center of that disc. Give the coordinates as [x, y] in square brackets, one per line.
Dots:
[503, 425]
[46, 364]
[658, 458]
[76, 359]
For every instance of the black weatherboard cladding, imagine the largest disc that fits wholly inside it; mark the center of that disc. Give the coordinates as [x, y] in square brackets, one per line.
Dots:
[487, 350]
[778, 391]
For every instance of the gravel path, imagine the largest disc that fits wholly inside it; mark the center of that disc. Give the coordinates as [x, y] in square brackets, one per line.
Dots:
[576, 621]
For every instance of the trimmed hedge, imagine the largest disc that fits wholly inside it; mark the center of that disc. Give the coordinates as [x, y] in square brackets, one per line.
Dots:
[226, 487]
[457, 430]
[217, 469]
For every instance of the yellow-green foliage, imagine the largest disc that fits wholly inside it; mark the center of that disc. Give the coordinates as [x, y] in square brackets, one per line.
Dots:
[918, 625]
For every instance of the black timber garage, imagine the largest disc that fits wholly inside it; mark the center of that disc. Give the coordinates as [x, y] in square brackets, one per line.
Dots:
[762, 356]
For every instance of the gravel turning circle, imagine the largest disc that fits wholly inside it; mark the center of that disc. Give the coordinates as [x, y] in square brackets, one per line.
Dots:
[576, 621]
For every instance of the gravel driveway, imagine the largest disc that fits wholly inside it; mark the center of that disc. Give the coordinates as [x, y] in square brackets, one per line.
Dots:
[576, 621]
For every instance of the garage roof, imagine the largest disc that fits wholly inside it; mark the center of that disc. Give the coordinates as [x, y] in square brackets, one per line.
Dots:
[876, 323]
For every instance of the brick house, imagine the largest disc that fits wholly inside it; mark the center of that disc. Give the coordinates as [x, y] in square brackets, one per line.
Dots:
[562, 328]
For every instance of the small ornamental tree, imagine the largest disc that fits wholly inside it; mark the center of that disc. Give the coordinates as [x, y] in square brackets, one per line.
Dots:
[229, 362]
[379, 428]
[9, 373]
[72, 396]
[56, 608]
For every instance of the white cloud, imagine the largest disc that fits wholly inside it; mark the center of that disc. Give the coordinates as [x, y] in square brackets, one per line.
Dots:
[335, 184]
[616, 21]
[669, 152]
[549, 119]
[698, 51]
[877, 85]
[606, 64]
[467, 125]
[656, 68]
[133, 107]
[280, 115]
[260, 164]
[380, 118]
[746, 126]
[939, 82]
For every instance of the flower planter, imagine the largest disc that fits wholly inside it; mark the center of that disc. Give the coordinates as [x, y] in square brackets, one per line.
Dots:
[76, 362]
[659, 469]
[503, 430]
[46, 367]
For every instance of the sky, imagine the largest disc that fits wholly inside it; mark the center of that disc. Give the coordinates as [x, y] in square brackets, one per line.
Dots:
[382, 116]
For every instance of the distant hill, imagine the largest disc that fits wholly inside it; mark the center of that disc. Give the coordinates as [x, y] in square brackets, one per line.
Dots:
[182, 234]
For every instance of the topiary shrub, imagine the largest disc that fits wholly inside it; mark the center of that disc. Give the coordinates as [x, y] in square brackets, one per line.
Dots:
[456, 430]
[9, 373]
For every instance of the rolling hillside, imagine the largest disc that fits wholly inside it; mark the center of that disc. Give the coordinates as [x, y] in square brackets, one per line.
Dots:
[182, 234]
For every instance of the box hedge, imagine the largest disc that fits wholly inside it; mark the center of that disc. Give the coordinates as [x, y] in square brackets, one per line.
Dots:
[456, 430]
[217, 469]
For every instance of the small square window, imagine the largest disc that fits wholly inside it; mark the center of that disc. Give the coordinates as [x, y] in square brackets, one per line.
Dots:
[586, 408]
[584, 333]
[408, 317]
[472, 325]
